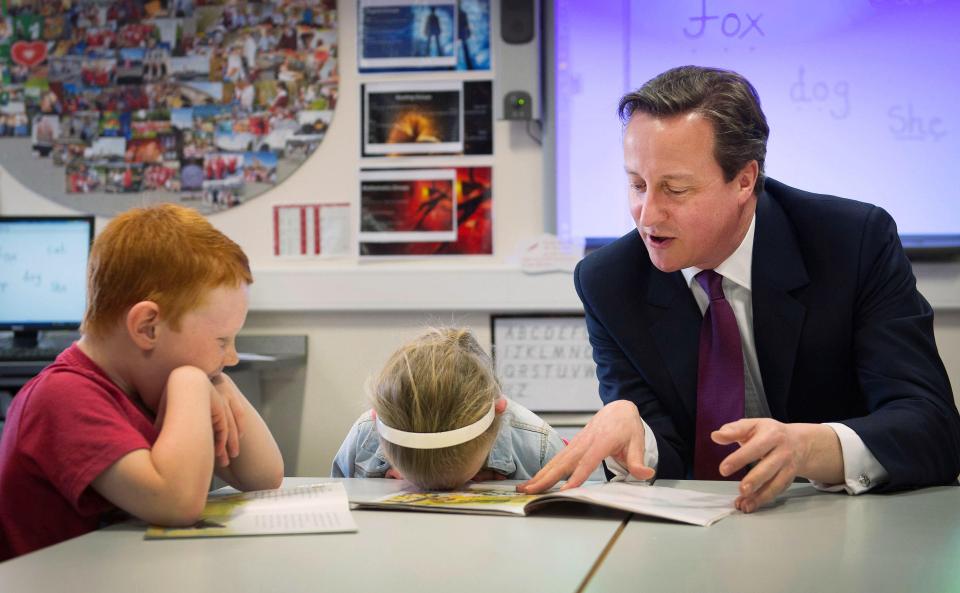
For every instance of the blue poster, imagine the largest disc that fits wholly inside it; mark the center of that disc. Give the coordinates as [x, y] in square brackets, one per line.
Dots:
[418, 35]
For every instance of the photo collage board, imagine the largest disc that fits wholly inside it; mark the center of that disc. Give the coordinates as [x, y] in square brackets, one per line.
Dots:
[429, 210]
[106, 104]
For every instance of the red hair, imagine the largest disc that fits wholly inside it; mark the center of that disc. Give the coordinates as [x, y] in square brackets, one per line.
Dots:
[167, 254]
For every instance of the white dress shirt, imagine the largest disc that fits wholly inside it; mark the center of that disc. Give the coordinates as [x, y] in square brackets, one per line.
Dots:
[861, 469]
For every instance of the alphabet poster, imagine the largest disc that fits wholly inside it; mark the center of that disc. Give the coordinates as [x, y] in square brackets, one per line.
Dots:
[545, 362]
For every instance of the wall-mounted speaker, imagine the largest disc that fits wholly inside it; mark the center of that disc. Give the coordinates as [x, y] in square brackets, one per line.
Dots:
[516, 83]
[518, 20]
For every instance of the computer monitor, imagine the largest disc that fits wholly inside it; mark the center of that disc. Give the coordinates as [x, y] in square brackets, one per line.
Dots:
[43, 269]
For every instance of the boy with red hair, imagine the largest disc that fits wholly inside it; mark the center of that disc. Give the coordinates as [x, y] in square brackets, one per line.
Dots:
[135, 414]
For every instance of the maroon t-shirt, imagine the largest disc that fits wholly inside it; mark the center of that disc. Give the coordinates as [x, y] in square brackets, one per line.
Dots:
[64, 428]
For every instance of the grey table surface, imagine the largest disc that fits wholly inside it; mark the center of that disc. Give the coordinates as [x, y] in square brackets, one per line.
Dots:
[392, 551]
[807, 541]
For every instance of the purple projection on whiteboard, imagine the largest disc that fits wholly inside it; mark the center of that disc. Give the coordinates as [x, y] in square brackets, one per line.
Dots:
[862, 97]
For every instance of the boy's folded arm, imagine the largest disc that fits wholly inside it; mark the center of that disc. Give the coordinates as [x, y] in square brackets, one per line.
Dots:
[259, 466]
[168, 484]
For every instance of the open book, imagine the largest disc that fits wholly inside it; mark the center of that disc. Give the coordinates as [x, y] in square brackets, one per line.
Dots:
[317, 508]
[676, 504]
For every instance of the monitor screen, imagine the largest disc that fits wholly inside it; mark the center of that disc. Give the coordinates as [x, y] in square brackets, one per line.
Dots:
[43, 268]
[862, 98]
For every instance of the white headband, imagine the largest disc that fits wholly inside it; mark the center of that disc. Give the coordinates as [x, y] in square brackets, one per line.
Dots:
[437, 440]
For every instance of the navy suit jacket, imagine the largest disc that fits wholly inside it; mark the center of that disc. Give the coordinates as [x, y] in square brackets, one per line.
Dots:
[842, 335]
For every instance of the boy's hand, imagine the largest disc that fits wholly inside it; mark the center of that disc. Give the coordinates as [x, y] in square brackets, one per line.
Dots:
[226, 409]
[225, 414]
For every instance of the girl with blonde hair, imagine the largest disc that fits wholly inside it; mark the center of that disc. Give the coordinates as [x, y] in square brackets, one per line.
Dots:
[440, 420]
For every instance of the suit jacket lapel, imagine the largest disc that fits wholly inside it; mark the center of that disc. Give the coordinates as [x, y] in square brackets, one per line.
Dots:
[675, 326]
[778, 274]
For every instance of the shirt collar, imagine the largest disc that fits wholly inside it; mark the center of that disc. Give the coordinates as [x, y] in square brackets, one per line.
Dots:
[501, 458]
[738, 266]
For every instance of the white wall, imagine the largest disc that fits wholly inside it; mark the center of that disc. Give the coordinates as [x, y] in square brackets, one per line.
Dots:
[346, 346]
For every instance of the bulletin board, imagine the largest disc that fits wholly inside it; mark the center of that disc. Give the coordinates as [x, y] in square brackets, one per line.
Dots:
[209, 103]
[545, 362]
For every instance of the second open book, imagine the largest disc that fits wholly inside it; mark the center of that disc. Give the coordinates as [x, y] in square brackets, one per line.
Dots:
[676, 504]
[308, 508]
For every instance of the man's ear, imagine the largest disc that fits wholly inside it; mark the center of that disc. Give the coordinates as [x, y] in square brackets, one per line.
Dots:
[747, 179]
[500, 405]
[143, 320]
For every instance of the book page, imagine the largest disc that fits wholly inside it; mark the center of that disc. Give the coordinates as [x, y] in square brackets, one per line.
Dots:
[317, 508]
[677, 504]
[475, 500]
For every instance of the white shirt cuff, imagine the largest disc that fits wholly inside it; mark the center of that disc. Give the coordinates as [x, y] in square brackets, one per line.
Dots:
[650, 458]
[861, 470]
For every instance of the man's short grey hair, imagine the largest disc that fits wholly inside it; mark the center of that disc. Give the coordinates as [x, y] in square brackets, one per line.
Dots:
[726, 99]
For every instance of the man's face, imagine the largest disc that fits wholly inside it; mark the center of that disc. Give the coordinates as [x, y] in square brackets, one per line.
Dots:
[685, 212]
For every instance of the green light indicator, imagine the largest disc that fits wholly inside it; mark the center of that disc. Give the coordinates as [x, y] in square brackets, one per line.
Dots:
[521, 101]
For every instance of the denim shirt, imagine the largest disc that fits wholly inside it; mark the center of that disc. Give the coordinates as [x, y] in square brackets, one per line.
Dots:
[524, 444]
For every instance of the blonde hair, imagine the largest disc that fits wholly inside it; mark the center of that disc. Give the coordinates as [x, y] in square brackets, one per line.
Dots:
[167, 254]
[440, 381]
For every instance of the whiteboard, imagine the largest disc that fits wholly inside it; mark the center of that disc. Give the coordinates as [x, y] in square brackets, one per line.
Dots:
[545, 362]
[862, 97]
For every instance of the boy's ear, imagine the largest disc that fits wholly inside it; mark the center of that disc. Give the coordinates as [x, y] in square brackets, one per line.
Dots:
[143, 320]
[500, 405]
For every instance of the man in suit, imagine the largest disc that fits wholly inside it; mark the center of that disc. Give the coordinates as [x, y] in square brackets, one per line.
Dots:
[748, 330]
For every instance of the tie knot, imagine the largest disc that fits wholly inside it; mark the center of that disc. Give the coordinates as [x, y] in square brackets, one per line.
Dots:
[712, 284]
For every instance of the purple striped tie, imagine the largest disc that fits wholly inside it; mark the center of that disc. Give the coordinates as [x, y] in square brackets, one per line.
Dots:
[719, 379]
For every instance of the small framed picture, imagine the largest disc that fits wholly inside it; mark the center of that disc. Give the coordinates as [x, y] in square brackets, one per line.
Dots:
[413, 118]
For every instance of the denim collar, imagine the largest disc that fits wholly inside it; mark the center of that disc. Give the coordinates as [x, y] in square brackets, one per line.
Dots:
[501, 458]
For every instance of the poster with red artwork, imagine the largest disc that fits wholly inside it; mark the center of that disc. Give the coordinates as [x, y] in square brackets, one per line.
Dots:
[469, 209]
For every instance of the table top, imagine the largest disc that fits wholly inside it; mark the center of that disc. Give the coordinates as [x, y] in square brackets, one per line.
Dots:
[808, 541]
[392, 551]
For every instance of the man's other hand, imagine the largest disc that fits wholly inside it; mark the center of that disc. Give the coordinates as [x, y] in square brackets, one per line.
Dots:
[781, 452]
